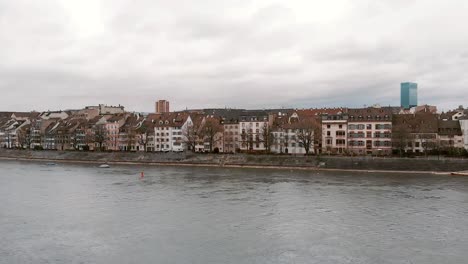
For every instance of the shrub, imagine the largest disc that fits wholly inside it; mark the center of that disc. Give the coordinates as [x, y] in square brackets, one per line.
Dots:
[38, 148]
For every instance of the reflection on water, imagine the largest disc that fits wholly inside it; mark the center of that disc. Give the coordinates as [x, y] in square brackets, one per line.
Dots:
[83, 214]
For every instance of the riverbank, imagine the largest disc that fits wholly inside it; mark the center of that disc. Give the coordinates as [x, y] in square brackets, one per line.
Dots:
[365, 164]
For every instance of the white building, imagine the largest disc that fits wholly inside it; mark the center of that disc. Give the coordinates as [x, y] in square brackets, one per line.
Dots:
[288, 128]
[252, 125]
[464, 128]
[107, 110]
[286, 140]
[169, 131]
[54, 115]
[9, 133]
[334, 133]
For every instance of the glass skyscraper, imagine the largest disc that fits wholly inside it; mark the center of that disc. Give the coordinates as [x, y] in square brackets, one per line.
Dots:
[409, 94]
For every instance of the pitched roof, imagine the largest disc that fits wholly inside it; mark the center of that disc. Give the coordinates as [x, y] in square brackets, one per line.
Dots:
[370, 114]
[172, 119]
[423, 122]
[449, 127]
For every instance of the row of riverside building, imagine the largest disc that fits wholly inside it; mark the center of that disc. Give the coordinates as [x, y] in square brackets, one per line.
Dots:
[372, 130]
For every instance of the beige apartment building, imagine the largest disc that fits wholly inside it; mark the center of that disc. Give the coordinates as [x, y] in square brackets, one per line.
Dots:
[162, 106]
[370, 131]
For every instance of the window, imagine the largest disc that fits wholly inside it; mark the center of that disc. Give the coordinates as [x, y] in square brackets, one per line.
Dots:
[340, 126]
[340, 142]
[340, 133]
[328, 133]
[369, 126]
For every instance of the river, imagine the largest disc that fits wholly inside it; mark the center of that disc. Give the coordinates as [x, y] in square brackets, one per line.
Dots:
[82, 214]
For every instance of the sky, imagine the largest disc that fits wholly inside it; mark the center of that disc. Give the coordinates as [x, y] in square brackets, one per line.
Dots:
[66, 54]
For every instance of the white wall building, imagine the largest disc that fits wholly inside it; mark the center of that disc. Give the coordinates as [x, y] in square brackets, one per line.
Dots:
[251, 129]
[106, 109]
[286, 140]
[334, 134]
[169, 132]
[54, 115]
[464, 128]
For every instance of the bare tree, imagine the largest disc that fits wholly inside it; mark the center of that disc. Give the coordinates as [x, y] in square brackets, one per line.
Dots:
[100, 135]
[210, 129]
[89, 138]
[428, 142]
[268, 138]
[143, 136]
[74, 140]
[307, 129]
[191, 135]
[24, 138]
[131, 138]
[400, 138]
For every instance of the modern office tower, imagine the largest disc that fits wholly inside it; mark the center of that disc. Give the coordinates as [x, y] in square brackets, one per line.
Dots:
[409, 94]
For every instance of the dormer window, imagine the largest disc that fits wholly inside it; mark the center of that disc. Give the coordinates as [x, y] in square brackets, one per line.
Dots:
[160, 122]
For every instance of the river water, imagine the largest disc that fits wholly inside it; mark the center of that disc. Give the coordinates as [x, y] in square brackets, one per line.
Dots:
[82, 214]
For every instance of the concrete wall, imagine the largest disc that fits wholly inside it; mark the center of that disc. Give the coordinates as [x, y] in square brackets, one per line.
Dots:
[357, 163]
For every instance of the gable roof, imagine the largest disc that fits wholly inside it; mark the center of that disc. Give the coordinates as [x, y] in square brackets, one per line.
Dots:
[422, 122]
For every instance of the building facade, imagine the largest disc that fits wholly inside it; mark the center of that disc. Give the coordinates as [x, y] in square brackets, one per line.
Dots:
[335, 133]
[106, 109]
[464, 128]
[409, 95]
[162, 106]
[252, 125]
[415, 133]
[169, 131]
[231, 136]
[370, 131]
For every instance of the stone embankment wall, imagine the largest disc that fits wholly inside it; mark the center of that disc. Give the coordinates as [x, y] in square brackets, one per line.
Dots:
[324, 162]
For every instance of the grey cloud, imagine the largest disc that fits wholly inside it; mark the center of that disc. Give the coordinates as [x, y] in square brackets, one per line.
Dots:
[229, 53]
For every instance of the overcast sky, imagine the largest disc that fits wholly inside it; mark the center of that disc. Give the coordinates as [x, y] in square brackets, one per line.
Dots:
[58, 54]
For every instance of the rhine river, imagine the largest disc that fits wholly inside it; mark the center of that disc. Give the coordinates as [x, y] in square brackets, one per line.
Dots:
[82, 214]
